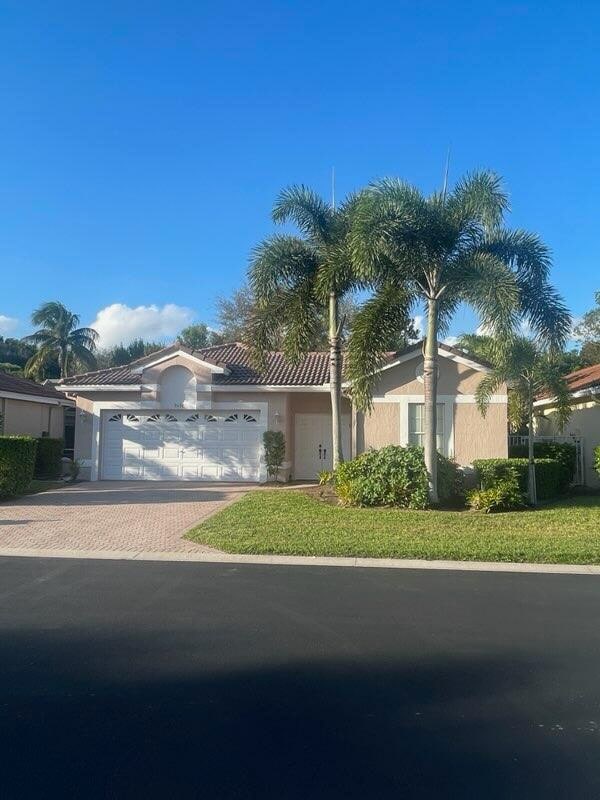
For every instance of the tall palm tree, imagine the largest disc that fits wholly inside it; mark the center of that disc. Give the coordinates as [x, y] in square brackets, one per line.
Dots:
[529, 370]
[58, 337]
[295, 279]
[440, 251]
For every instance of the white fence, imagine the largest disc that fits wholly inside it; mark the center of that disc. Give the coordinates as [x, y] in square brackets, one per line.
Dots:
[579, 477]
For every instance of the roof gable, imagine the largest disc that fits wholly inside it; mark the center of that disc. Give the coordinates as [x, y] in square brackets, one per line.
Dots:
[168, 353]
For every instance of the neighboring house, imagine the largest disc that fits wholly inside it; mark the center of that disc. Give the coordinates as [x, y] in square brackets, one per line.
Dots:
[200, 415]
[27, 407]
[584, 423]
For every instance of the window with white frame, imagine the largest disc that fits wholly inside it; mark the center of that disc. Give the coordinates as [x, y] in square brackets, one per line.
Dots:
[416, 425]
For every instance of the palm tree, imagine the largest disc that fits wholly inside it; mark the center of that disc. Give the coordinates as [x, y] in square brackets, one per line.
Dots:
[529, 370]
[295, 279]
[443, 250]
[58, 337]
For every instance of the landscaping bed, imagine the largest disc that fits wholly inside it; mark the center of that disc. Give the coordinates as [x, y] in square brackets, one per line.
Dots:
[292, 522]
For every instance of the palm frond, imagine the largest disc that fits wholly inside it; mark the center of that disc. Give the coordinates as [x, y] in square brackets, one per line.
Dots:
[52, 314]
[280, 262]
[84, 337]
[487, 387]
[550, 380]
[543, 309]
[306, 209]
[387, 227]
[479, 196]
[83, 355]
[375, 324]
[488, 285]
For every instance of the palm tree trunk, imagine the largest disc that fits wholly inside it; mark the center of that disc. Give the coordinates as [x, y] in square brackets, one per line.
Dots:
[531, 480]
[63, 362]
[335, 380]
[430, 376]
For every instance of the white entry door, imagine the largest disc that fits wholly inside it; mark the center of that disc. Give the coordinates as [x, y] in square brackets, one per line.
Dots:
[182, 445]
[313, 444]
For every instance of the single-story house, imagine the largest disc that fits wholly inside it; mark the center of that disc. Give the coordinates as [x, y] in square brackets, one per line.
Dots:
[26, 407]
[180, 414]
[584, 423]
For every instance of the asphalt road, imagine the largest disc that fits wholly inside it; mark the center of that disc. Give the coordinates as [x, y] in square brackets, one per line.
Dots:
[126, 680]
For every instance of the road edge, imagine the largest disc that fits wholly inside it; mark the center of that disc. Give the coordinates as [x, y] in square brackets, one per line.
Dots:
[305, 561]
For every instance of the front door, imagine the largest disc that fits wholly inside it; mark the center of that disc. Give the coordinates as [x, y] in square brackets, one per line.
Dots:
[313, 444]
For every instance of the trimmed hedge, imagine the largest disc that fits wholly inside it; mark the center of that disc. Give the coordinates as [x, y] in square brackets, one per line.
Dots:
[490, 471]
[17, 460]
[48, 459]
[563, 452]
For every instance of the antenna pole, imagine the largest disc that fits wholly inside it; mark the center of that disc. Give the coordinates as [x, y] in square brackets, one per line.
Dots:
[446, 170]
[333, 188]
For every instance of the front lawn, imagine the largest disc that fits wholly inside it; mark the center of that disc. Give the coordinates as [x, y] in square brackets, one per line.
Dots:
[290, 522]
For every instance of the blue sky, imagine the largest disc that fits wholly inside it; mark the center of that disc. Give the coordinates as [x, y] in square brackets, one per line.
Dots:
[143, 143]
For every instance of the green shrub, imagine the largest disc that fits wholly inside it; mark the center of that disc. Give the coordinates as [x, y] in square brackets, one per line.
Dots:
[597, 459]
[274, 444]
[325, 477]
[504, 495]
[48, 459]
[563, 452]
[17, 460]
[451, 483]
[391, 476]
[547, 473]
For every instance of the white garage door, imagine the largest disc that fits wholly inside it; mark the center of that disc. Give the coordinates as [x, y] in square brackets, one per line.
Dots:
[217, 446]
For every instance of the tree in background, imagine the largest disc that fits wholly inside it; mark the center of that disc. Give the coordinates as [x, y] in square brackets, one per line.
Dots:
[529, 369]
[234, 319]
[199, 335]
[122, 354]
[589, 354]
[296, 279]
[588, 331]
[14, 354]
[440, 251]
[59, 337]
[234, 314]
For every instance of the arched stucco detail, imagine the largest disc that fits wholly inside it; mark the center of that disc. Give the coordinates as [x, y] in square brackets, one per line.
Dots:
[177, 388]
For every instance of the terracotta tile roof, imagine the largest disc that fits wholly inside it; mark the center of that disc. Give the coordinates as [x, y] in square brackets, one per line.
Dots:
[312, 370]
[585, 378]
[112, 376]
[17, 385]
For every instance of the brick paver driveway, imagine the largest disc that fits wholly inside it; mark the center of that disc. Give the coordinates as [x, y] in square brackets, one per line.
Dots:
[113, 515]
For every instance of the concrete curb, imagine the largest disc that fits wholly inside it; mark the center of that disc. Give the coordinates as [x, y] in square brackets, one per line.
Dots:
[306, 561]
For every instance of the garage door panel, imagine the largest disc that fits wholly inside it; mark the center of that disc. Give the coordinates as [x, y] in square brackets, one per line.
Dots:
[173, 446]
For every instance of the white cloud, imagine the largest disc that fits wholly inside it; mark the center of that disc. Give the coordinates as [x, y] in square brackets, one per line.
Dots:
[119, 323]
[418, 324]
[451, 340]
[7, 325]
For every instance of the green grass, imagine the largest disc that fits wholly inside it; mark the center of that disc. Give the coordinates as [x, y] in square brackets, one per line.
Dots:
[288, 522]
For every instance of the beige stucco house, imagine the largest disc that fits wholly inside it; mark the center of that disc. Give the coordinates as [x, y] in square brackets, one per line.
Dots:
[28, 408]
[584, 423]
[200, 415]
